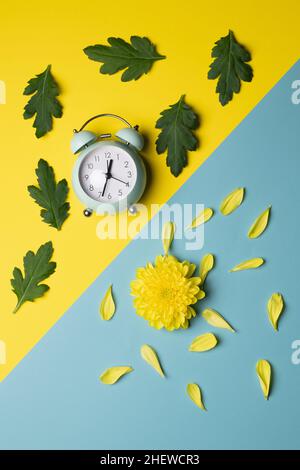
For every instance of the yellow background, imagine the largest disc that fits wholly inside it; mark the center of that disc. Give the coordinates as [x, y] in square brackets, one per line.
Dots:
[34, 34]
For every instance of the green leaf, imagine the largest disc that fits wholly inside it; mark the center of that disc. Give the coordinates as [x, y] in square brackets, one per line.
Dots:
[137, 57]
[50, 195]
[230, 65]
[37, 267]
[177, 123]
[43, 104]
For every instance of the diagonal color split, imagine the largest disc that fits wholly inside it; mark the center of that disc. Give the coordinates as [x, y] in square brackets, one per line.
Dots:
[54, 399]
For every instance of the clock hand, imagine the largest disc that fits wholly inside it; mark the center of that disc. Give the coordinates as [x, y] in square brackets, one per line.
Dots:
[108, 176]
[109, 168]
[121, 181]
[104, 187]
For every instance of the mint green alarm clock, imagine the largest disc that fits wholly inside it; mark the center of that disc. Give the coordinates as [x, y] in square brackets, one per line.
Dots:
[109, 174]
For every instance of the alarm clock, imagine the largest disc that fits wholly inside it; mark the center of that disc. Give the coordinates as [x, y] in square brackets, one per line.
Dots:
[109, 175]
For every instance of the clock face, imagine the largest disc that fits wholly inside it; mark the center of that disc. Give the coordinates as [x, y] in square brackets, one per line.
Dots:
[107, 174]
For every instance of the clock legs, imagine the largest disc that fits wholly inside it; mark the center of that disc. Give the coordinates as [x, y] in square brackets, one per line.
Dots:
[132, 210]
[87, 212]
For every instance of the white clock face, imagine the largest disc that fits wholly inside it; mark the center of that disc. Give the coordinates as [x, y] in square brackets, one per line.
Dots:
[107, 174]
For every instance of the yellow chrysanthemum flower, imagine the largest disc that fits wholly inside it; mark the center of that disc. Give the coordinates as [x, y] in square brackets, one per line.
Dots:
[165, 291]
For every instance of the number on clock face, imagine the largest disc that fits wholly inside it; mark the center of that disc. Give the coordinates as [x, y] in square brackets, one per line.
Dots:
[107, 174]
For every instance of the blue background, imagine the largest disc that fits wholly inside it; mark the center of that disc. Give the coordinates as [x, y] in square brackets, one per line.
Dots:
[54, 399]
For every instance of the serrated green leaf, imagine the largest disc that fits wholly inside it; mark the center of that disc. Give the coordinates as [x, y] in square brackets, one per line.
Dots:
[37, 268]
[43, 104]
[230, 66]
[177, 123]
[51, 196]
[137, 57]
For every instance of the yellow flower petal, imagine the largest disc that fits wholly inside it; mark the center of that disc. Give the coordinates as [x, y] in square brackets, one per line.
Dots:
[112, 375]
[263, 370]
[201, 218]
[201, 295]
[249, 264]
[203, 343]
[215, 319]
[232, 201]
[107, 306]
[194, 392]
[206, 265]
[275, 308]
[190, 268]
[191, 313]
[260, 224]
[168, 235]
[150, 356]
